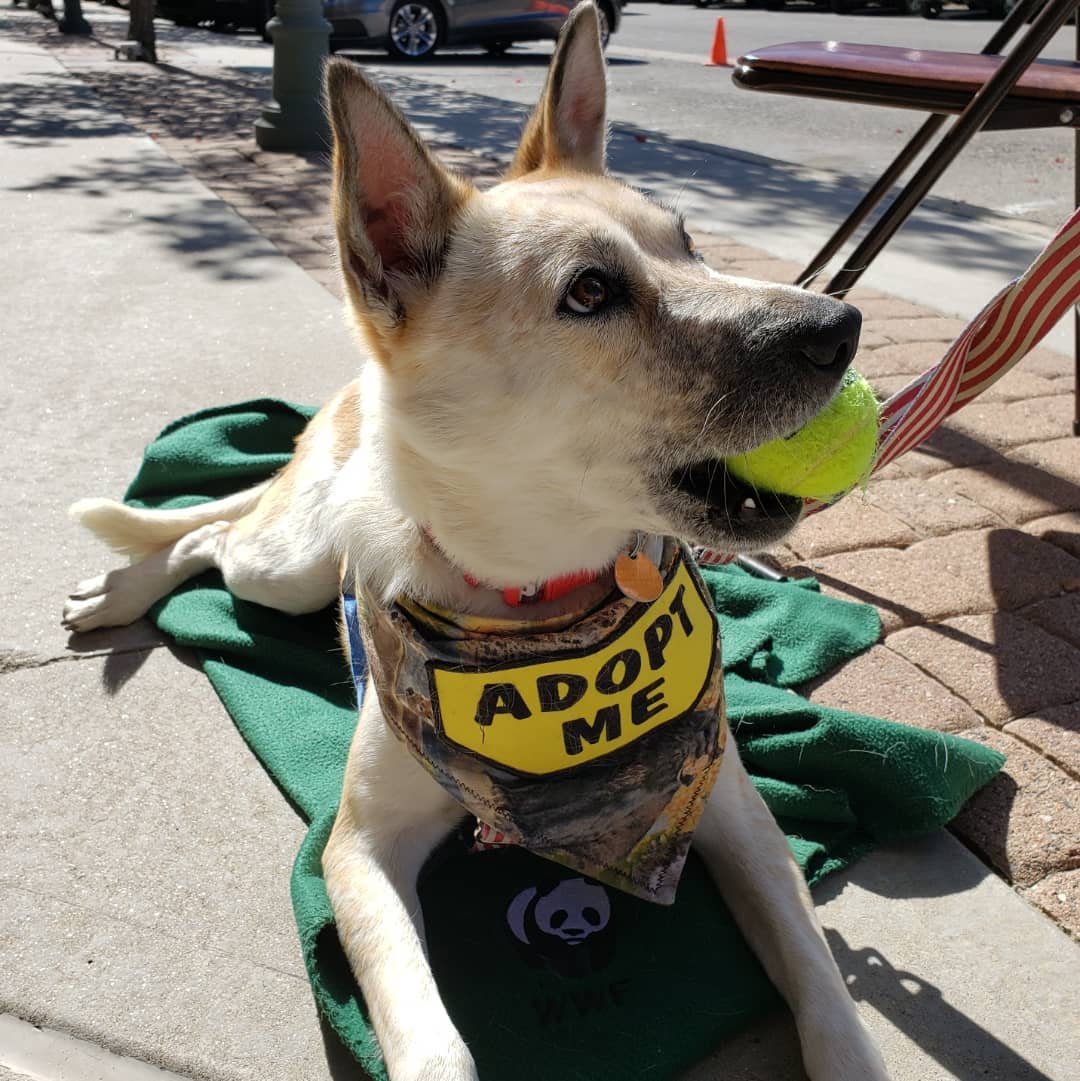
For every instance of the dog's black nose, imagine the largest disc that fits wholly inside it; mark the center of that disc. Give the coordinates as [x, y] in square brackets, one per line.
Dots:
[831, 346]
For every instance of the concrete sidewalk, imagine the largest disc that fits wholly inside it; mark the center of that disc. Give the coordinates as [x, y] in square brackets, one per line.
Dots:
[146, 880]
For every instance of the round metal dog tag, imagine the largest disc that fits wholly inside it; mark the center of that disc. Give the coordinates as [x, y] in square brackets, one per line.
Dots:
[637, 577]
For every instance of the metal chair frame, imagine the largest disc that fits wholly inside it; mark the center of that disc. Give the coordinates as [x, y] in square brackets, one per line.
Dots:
[988, 108]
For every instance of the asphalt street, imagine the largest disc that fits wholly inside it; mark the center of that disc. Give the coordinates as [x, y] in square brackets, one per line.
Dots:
[776, 172]
[660, 85]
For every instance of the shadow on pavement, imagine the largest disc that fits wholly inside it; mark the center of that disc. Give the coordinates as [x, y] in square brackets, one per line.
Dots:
[197, 106]
[919, 1010]
[115, 174]
[894, 874]
[706, 174]
[119, 668]
[217, 243]
[40, 114]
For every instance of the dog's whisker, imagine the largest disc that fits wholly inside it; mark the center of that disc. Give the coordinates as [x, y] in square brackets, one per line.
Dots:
[806, 281]
[709, 415]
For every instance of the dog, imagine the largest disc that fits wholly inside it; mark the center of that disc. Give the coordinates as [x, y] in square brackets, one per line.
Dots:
[551, 372]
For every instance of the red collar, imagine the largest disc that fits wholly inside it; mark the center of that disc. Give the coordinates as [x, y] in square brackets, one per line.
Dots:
[635, 575]
[551, 590]
[518, 596]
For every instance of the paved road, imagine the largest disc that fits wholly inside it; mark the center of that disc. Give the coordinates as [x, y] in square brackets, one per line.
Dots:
[776, 172]
[660, 85]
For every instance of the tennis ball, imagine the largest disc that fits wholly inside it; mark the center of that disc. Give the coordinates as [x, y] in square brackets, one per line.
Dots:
[828, 455]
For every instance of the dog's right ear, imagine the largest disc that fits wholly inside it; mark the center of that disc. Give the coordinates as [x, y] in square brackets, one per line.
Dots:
[394, 204]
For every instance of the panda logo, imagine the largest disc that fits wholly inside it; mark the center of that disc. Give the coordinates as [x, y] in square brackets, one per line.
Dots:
[565, 926]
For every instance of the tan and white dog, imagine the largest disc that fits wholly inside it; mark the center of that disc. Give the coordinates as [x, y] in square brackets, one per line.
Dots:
[551, 371]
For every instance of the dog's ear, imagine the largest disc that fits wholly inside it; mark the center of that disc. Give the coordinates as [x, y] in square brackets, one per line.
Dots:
[568, 130]
[394, 204]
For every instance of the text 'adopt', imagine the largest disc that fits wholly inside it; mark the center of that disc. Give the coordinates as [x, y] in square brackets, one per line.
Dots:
[544, 717]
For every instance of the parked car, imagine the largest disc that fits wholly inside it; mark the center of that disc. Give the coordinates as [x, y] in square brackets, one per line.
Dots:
[408, 29]
[996, 9]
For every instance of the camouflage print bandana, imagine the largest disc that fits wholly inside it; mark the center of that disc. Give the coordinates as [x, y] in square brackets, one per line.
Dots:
[593, 743]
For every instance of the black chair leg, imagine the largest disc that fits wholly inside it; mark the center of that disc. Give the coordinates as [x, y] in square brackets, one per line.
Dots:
[1050, 19]
[931, 126]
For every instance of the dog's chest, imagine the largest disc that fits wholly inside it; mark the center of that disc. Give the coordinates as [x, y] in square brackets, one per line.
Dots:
[594, 743]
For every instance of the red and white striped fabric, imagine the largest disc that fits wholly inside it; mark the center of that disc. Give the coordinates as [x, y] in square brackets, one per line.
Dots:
[487, 837]
[997, 339]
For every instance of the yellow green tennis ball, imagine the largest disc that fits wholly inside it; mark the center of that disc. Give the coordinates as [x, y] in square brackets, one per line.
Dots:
[828, 455]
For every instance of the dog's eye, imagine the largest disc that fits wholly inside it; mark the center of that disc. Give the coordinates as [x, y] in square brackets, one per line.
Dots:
[588, 293]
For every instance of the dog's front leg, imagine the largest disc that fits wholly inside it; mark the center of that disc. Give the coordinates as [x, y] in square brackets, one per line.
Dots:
[752, 866]
[392, 816]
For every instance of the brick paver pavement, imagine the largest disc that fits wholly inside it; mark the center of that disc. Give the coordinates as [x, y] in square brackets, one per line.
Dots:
[969, 547]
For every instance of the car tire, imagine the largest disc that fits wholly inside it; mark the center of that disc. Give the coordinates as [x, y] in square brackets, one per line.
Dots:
[264, 12]
[417, 29]
[606, 14]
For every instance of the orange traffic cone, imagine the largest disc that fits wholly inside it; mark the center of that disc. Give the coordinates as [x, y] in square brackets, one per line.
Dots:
[718, 59]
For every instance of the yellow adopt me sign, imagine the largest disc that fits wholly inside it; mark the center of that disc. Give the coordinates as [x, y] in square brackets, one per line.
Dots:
[550, 715]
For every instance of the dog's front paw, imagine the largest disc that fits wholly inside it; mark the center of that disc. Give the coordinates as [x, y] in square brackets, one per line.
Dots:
[454, 1063]
[840, 1049]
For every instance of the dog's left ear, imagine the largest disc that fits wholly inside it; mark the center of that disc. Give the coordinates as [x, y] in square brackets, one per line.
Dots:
[568, 130]
[394, 204]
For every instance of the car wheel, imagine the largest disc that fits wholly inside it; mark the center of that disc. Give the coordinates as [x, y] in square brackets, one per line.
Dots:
[496, 48]
[607, 20]
[416, 29]
[264, 12]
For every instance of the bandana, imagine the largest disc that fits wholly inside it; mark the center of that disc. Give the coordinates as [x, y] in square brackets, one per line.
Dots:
[592, 740]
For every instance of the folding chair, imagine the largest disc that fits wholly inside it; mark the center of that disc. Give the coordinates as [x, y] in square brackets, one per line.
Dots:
[984, 91]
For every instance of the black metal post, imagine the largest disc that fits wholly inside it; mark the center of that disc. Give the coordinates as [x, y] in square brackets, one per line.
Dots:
[295, 119]
[73, 21]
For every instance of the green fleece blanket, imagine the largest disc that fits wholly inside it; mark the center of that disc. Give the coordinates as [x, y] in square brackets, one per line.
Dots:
[657, 988]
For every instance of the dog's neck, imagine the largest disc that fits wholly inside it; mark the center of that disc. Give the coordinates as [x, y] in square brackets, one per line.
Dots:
[501, 527]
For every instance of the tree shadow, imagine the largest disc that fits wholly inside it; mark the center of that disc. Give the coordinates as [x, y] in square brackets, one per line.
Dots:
[205, 235]
[40, 114]
[115, 174]
[208, 238]
[704, 176]
[197, 106]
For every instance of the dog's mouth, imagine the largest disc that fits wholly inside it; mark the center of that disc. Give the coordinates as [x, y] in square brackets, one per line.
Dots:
[732, 503]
